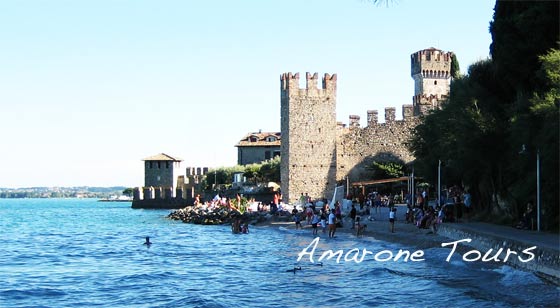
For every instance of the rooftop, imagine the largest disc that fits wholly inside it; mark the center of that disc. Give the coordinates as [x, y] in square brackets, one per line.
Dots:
[260, 139]
[162, 157]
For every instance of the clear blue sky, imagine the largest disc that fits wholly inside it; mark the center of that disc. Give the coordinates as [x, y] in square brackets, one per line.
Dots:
[89, 88]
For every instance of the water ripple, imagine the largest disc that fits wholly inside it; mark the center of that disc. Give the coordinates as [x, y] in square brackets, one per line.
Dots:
[79, 253]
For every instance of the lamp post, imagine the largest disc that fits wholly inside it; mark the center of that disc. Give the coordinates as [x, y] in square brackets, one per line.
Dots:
[439, 184]
[413, 192]
[538, 190]
[523, 151]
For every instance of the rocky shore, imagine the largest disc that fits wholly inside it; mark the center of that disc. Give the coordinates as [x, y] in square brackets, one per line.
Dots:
[222, 215]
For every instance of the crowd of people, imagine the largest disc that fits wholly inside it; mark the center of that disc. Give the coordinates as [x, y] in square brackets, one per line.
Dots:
[454, 205]
[320, 214]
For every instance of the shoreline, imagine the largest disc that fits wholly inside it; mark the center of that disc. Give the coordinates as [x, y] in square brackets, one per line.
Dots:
[544, 265]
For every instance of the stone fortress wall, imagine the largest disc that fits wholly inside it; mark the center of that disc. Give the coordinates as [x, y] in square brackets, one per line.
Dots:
[308, 129]
[318, 152]
[358, 147]
[168, 196]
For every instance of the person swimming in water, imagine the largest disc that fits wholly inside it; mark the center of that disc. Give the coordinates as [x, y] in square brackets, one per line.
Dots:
[148, 243]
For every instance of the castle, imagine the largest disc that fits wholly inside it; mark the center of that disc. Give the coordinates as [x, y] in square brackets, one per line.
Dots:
[317, 151]
[164, 184]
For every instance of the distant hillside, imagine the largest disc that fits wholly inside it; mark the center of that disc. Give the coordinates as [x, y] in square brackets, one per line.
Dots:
[62, 192]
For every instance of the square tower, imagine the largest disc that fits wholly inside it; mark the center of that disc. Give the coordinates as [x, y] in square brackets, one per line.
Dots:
[431, 70]
[161, 170]
[308, 129]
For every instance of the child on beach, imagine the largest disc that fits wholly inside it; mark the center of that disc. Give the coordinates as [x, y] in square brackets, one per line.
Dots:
[392, 213]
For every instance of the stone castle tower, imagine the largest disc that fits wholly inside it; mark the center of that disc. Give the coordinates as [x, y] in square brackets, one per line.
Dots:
[308, 128]
[431, 70]
[317, 152]
[161, 170]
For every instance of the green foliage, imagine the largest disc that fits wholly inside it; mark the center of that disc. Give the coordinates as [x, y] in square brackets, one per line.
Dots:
[270, 170]
[252, 172]
[267, 171]
[455, 70]
[222, 175]
[501, 104]
[128, 192]
[384, 170]
[521, 32]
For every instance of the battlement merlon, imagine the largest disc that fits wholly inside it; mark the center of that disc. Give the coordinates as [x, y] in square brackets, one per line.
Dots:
[390, 114]
[407, 112]
[329, 83]
[354, 121]
[311, 80]
[289, 81]
[372, 117]
[431, 62]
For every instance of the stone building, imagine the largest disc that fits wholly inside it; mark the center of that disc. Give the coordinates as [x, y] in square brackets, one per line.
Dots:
[258, 147]
[309, 136]
[165, 185]
[317, 152]
[431, 70]
[161, 170]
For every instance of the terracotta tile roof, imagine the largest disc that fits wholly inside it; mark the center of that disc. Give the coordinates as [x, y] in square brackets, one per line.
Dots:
[162, 156]
[260, 139]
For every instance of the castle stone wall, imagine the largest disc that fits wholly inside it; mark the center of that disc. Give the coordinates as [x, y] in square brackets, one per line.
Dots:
[308, 127]
[317, 152]
[357, 149]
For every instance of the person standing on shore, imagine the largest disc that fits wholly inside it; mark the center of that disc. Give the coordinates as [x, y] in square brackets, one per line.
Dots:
[323, 220]
[467, 202]
[338, 213]
[309, 214]
[302, 200]
[392, 213]
[276, 199]
[353, 215]
[332, 224]
[296, 217]
[314, 222]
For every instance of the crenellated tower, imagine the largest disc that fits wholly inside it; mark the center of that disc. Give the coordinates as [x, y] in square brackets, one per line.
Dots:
[431, 71]
[308, 128]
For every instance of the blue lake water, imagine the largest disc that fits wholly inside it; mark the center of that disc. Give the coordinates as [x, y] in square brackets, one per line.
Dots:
[72, 253]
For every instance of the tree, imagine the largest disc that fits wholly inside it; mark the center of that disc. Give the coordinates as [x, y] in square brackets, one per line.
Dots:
[270, 170]
[502, 103]
[128, 192]
[253, 172]
[455, 70]
[384, 170]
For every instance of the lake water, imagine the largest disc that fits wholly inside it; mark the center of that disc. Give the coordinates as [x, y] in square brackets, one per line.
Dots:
[72, 253]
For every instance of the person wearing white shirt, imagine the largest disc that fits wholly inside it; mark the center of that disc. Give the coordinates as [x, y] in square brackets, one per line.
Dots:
[332, 224]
